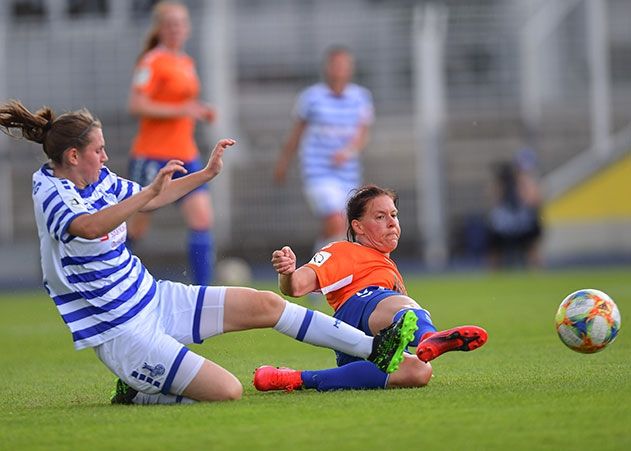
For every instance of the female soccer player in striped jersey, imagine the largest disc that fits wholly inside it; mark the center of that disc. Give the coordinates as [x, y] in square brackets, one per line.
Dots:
[363, 285]
[331, 128]
[139, 326]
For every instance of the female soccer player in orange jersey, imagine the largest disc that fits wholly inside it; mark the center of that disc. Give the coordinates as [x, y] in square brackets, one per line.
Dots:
[164, 95]
[363, 285]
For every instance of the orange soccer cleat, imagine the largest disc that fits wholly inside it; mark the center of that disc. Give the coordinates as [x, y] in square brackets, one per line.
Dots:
[463, 338]
[268, 378]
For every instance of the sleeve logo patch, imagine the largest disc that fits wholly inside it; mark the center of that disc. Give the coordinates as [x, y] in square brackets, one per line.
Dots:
[142, 76]
[319, 258]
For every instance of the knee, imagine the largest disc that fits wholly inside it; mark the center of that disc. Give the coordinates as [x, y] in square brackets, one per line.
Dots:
[423, 374]
[413, 373]
[233, 393]
[199, 223]
[269, 303]
[198, 213]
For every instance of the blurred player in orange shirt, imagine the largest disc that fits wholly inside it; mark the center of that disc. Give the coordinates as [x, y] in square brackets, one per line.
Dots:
[363, 285]
[164, 95]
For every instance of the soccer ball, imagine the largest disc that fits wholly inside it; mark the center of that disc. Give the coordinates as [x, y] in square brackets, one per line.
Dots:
[587, 321]
[233, 271]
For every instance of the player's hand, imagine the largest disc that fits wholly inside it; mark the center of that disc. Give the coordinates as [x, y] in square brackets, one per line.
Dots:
[207, 113]
[165, 175]
[215, 162]
[284, 261]
[343, 155]
[200, 111]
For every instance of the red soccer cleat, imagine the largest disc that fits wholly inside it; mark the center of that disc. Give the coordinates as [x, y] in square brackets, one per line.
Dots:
[463, 338]
[268, 378]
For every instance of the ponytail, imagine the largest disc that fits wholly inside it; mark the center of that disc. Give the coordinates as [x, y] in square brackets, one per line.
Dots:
[151, 42]
[31, 126]
[55, 134]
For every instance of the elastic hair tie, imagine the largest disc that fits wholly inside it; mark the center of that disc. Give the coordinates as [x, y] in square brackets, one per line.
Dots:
[47, 126]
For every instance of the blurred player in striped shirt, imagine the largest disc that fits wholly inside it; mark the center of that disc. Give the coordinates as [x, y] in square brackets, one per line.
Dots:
[331, 128]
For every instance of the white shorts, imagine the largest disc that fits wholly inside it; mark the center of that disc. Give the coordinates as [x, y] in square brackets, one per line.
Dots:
[150, 356]
[326, 197]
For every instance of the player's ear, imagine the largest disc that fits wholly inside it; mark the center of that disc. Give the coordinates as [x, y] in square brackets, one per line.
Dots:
[71, 156]
[357, 227]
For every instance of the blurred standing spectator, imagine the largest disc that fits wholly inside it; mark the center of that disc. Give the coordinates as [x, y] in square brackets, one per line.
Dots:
[164, 95]
[514, 219]
[332, 124]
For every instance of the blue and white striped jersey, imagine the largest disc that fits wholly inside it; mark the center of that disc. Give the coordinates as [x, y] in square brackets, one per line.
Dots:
[98, 286]
[332, 122]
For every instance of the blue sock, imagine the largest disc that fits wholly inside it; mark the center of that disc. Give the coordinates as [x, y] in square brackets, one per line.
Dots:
[353, 376]
[201, 256]
[424, 323]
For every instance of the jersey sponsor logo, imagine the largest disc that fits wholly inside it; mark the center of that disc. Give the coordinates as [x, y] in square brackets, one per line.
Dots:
[319, 258]
[118, 235]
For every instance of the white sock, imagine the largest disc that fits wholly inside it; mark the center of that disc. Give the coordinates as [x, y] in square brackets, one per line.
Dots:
[319, 329]
[159, 398]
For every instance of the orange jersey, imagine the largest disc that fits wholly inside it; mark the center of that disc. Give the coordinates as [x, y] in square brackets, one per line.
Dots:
[344, 268]
[166, 77]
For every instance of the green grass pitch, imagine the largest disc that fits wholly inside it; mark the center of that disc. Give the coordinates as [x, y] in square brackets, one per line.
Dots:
[523, 390]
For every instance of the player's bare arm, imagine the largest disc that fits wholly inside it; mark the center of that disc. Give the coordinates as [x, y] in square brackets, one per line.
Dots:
[95, 225]
[291, 281]
[184, 185]
[289, 150]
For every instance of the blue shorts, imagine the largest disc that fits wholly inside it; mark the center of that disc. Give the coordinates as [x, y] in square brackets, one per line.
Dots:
[144, 170]
[357, 310]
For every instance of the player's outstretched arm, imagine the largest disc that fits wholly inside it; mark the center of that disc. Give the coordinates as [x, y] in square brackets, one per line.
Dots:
[95, 225]
[184, 185]
[162, 191]
[291, 281]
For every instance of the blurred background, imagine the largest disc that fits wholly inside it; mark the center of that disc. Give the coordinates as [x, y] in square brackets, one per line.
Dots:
[458, 87]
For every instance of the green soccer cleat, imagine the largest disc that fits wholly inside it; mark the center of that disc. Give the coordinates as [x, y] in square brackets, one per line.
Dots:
[390, 343]
[123, 393]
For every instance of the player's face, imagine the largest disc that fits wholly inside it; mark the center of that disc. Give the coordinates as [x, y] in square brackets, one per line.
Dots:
[175, 27]
[379, 226]
[92, 158]
[339, 68]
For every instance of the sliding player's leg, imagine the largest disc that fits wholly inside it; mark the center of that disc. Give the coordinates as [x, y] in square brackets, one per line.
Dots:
[246, 308]
[357, 375]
